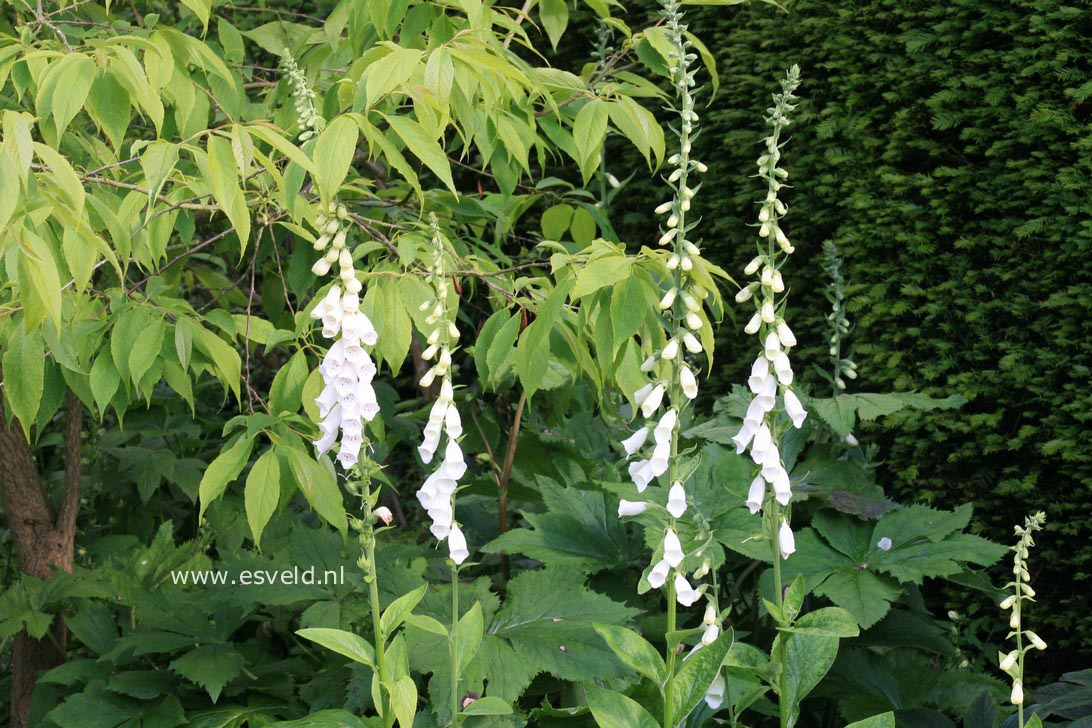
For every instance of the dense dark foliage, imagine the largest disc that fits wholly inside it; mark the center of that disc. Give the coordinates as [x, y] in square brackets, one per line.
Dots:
[945, 147]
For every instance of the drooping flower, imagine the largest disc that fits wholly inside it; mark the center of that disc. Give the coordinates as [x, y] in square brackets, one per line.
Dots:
[785, 541]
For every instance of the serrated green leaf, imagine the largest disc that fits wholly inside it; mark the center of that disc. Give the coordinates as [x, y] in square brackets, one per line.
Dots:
[210, 666]
[423, 146]
[24, 375]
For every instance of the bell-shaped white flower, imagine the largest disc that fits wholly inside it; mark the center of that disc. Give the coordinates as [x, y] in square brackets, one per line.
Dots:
[676, 499]
[714, 696]
[691, 343]
[767, 396]
[453, 422]
[670, 351]
[652, 401]
[786, 543]
[753, 325]
[658, 576]
[772, 346]
[628, 508]
[756, 495]
[456, 545]
[762, 444]
[709, 634]
[688, 382]
[634, 442]
[794, 409]
[685, 594]
[744, 436]
[661, 458]
[783, 368]
[673, 553]
[326, 400]
[785, 334]
[760, 371]
[781, 485]
[666, 427]
[771, 464]
[640, 472]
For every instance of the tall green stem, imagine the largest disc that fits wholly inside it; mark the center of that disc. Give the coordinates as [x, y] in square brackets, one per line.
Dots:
[669, 689]
[454, 644]
[387, 714]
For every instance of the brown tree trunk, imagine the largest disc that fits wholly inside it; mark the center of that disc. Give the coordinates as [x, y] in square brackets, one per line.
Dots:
[43, 541]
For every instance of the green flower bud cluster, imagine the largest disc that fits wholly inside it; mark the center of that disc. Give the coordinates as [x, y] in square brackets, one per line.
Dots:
[303, 96]
[1026, 640]
[842, 367]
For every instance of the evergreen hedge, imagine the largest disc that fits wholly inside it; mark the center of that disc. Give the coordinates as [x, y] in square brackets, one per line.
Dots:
[946, 148]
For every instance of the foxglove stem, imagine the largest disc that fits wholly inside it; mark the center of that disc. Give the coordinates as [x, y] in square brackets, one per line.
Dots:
[1013, 662]
[367, 537]
[456, 703]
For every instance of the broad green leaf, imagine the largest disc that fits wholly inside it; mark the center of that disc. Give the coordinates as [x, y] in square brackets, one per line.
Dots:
[39, 283]
[319, 486]
[885, 720]
[555, 18]
[487, 706]
[146, 348]
[286, 392]
[628, 308]
[555, 221]
[350, 645]
[104, 381]
[262, 493]
[470, 630]
[634, 650]
[698, 672]
[24, 375]
[604, 271]
[333, 154]
[390, 72]
[807, 660]
[227, 187]
[202, 9]
[423, 146]
[827, 622]
[639, 125]
[614, 710]
[865, 595]
[399, 609]
[532, 353]
[224, 469]
[589, 131]
[75, 73]
[404, 700]
[157, 161]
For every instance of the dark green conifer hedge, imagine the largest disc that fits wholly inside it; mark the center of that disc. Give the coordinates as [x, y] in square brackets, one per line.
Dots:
[947, 148]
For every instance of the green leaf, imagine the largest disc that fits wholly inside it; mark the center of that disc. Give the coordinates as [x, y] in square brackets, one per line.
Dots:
[157, 161]
[319, 486]
[827, 622]
[39, 283]
[390, 72]
[350, 645]
[555, 18]
[210, 666]
[202, 9]
[639, 125]
[286, 392]
[885, 720]
[865, 595]
[24, 375]
[698, 672]
[470, 630]
[628, 308]
[604, 271]
[146, 349]
[224, 469]
[226, 187]
[404, 700]
[333, 154]
[75, 74]
[487, 706]
[104, 381]
[400, 608]
[262, 493]
[555, 221]
[533, 350]
[614, 710]
[589, 131]
[807, 660]
[549, 619]
[423, 146]
[635, 651]
[578, 532]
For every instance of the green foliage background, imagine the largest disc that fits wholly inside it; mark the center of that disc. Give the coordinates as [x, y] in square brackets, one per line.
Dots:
[945, 147]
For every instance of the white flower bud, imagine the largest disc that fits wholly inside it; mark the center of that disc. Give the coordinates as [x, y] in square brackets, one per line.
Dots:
[384, 514]
[745, 294]
[1007, 662]
[1017, 696]
[691, 343]
[752, 267]
[631, 508]
[668, 300]
[321, 267]
[786, 543]
[753, 325]
[670, 351]
[676, 500]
